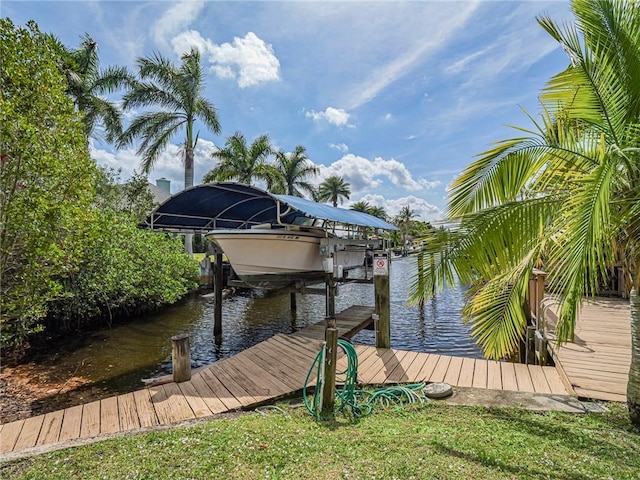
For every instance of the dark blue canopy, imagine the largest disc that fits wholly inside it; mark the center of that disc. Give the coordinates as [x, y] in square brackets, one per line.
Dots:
[230, 205]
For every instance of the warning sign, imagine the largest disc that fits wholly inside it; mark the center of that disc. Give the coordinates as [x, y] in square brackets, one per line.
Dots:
[380, 264]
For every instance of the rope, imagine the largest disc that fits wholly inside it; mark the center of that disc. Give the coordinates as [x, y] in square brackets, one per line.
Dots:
[349, 399]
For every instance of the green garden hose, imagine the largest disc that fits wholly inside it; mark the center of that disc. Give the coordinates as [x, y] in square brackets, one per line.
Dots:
[351, 400]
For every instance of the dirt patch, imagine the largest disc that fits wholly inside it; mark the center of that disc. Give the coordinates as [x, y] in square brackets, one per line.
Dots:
[30, 389]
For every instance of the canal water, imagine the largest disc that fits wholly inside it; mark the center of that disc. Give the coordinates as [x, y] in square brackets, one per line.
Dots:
[118, 359]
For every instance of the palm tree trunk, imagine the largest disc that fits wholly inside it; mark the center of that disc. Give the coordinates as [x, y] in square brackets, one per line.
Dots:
[633, 387]
[188, 182]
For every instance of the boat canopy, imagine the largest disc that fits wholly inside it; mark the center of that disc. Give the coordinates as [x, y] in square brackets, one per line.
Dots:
[230, 205]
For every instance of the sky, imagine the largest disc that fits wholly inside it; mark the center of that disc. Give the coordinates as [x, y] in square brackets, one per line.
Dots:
[395, 97]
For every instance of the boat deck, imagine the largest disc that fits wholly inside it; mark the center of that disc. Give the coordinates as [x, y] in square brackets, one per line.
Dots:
[597, 362]
[264, 373]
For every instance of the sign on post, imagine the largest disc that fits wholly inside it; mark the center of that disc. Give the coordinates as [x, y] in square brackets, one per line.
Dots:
[380, 264]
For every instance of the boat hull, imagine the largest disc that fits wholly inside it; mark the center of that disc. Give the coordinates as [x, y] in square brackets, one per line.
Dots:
[277, 258]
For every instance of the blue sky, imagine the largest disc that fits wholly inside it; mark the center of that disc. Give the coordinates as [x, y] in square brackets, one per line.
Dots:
[396, 97]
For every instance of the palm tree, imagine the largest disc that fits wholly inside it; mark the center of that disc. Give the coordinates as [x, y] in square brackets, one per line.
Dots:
[565, 196]
[240, 162]
[378, 212]
[87, 84]
[333, 189]
[178, 92]
[403, 222]
[361, 206]
[291, 171]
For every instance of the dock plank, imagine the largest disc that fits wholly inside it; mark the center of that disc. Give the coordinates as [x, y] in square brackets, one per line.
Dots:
[51, 426]
[144, 406]
[466, 373]
[414, 370]
[128, 412]
[374, 364]
[220, 390]
[509, 381]
[90, 426]
[427, 369]
[523, 377]
[539, 380]
[555, 382]
[214, 404]
[494, 375]
[441, 369]
[197, 404]
[453, 371]
[109, 416]
[400, 374]
[10, 433]
[390, 364]
[177, 408]
[480, 373]
[232, 384]
[71, 421]
[29, 432]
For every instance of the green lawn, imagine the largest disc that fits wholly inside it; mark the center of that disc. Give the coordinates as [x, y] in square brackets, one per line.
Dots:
[429, 441]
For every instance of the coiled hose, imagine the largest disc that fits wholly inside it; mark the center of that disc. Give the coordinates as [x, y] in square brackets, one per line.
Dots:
[349, 399]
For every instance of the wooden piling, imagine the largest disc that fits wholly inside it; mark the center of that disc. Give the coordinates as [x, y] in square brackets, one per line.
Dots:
[330, 359]
[294, 303]
[181, 358]
[218, 286]
[330, 283]
[382, 299]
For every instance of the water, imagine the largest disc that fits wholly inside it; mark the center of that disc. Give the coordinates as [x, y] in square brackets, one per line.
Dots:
[117, 359]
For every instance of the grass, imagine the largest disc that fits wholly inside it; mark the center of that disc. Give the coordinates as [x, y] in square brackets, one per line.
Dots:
[429, 441]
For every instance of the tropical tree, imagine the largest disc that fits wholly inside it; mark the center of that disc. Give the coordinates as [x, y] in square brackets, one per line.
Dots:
[241, 162]
[87, 84]
[46, 181]
[565, 196]
[360, 206]
[178, 93]
[403, 222]
[333, 189]
[291, 172]
[379, 212]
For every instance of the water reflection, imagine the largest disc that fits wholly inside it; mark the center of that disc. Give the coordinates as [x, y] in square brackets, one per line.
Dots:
[120, 357]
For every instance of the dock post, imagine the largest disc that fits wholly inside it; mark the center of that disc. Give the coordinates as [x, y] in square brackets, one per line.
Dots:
[217, 307]
[383, 305]
[330, 359]
[294, 303]
[330, 295]
[181, 358]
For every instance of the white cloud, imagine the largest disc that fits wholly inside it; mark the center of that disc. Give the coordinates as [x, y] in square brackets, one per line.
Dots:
[249, 60]
[176, 18]
[364, 174]
[335, 116]
[343, 147]
[169, 164]
[443, 23]
[423, 210]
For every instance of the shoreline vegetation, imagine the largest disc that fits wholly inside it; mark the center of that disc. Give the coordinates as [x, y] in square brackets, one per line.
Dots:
[432, 440]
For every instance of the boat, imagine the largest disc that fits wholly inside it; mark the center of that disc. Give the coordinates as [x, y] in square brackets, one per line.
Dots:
[277, 256]
[271, 240]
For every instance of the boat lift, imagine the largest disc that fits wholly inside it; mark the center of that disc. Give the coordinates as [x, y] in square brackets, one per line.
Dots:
[231, 205]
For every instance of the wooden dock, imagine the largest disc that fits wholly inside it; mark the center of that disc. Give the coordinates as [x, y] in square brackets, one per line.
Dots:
[597, 363]
[271, 370]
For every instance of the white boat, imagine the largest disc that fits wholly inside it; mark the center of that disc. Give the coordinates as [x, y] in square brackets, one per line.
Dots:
[268, 257]
[271, 240]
